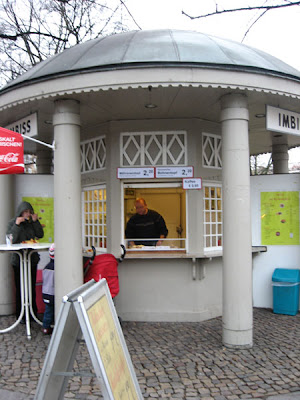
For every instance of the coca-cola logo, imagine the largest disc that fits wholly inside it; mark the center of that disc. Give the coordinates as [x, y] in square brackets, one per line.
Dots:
[9, 158]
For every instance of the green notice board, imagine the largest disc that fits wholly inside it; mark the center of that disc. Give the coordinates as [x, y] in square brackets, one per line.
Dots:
[44, 208]
[279, 218]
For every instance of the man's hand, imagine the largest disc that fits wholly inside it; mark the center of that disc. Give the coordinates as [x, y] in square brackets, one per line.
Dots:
[19, 220]
[34, 217]
[160, 241]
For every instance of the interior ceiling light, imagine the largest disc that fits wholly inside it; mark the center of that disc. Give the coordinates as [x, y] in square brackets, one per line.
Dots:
[150, 105]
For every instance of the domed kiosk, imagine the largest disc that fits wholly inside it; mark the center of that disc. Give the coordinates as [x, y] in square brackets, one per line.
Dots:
[147, 114]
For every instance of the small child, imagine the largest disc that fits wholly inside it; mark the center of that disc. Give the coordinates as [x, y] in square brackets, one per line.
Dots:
[48, 293]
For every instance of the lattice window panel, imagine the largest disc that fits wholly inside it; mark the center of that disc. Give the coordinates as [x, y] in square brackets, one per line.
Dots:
[153, 148]
[213, 227]
[211, 151]
[94, 218]
[93, 154]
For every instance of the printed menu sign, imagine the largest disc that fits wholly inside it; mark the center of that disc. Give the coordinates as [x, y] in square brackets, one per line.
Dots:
[88, 312]
[111, 350]
[279, 218]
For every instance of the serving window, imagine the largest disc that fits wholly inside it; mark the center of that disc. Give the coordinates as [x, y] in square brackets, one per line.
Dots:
[167, 199]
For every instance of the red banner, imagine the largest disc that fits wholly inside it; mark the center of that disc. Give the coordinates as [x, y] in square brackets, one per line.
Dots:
[11, 152]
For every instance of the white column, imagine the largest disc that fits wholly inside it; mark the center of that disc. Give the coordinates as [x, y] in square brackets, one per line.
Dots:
[280, 154]
[7, 298]
[113, 192]
[237, 251]
[67, 199]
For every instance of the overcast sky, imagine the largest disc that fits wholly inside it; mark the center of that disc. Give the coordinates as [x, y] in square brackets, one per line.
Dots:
[276, 33]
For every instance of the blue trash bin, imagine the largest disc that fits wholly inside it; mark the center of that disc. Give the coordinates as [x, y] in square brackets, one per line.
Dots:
[285, 284]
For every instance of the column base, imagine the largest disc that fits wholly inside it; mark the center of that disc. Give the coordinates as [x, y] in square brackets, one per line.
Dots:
[237, 339]
[7, 309]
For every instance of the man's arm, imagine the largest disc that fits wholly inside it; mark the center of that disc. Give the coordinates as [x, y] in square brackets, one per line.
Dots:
[38, 229]
[129, 232]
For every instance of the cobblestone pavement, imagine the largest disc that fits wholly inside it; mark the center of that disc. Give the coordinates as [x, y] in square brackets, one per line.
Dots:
[172, 361]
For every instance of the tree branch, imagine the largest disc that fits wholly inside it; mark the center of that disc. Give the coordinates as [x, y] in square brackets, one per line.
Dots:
[266, 8]
[22, 34]
[253, 23]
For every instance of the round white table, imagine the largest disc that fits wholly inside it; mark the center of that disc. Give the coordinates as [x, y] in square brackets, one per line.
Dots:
[24, 250]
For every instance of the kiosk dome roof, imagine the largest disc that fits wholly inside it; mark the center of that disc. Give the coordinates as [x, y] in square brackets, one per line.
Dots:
[156, 48]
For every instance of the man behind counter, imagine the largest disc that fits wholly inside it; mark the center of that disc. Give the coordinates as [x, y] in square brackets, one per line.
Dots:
[145, 224]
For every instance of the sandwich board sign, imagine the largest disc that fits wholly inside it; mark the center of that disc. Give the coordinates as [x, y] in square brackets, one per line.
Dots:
[89, 313]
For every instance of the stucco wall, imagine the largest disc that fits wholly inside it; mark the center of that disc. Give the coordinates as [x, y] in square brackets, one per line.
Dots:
[164, 290]
[284, 256]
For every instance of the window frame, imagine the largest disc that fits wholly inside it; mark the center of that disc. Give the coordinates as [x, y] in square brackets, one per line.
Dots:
[90, 237]
[211, 235]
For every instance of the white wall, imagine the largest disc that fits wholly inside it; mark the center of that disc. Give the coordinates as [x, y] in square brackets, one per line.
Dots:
[164, 290]
[276, 256]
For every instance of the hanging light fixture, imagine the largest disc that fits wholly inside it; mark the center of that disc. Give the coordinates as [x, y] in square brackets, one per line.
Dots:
[150, 104]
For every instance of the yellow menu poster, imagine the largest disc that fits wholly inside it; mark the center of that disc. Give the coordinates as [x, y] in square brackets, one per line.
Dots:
[44, 208]
[279, 218]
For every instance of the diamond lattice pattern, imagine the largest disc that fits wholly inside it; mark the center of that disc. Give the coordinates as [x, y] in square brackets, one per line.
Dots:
[211, 151]
[155, 148]
[93, 154]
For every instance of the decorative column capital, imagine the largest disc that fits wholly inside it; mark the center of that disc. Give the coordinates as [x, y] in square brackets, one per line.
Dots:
[66, 111]
[234, 106]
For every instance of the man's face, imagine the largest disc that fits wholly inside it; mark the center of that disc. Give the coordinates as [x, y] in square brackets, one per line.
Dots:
[141, 208]
[26, 214]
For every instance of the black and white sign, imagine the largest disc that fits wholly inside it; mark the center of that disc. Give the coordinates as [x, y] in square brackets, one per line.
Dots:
[284, 121]
[174, 172]
[128, 173]
[191, 183]
[25, 126]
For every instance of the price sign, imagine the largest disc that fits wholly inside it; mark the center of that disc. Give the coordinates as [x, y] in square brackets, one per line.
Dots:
[127, 173]
[174, 172]
[192, 183]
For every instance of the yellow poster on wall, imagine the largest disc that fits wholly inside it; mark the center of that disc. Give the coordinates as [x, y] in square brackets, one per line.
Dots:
[279, 218]
[44, 208]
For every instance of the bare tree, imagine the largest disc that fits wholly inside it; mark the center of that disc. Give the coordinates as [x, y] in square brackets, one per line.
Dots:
[261, 164]
[33, 30]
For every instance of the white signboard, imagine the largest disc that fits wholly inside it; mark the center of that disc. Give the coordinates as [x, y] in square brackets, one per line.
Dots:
[174, 172]
[284, 121]
[192, 183]
[125, 173]
[26, 126]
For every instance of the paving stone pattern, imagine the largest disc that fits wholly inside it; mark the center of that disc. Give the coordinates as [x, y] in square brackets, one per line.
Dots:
[173, 360]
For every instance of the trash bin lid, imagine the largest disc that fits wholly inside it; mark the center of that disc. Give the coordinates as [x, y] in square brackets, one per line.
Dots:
[286, 275]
